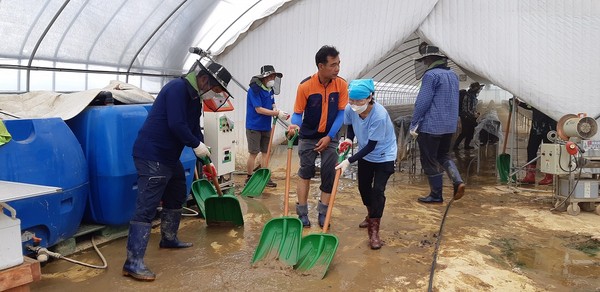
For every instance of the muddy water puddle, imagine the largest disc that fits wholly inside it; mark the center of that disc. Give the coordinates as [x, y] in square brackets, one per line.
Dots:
[494, 239]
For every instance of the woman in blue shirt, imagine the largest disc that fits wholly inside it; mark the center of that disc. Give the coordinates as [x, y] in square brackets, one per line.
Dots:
[374, 131]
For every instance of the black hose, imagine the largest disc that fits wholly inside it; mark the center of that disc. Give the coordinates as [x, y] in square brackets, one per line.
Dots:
[437, 246]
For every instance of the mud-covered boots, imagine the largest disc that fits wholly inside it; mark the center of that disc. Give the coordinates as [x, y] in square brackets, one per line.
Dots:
[365, 223]
[302, 211]
[530, 176]
[137, 241]
[547, 180]
[374, 240]
[169, 224]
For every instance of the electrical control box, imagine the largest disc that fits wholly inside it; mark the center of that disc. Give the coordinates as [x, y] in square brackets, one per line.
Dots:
[219, 136]
[554, 159]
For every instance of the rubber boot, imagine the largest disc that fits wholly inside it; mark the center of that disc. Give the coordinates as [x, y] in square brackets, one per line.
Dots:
[547, 180]
[374, 240]
[137, 241]
[322, 208]
[530, 176]
[365, 223]
[435, 184]
[302, 211]
[457, 182]
[169, 224]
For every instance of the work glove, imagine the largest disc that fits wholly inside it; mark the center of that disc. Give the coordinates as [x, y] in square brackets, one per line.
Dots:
[283, 115]
[209, 171]
[343, 165]
[201, 151]
[346, 144]
[413, 132]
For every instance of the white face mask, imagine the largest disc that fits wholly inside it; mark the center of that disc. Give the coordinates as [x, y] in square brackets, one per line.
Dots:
[270, 83]
[359, 109]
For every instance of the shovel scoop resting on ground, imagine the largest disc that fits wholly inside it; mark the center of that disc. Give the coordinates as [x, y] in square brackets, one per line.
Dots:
[219, 209]
[259, 179]
[317, 250]
[280, 239]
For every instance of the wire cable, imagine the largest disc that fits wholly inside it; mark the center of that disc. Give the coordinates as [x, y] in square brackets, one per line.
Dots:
[437, 246]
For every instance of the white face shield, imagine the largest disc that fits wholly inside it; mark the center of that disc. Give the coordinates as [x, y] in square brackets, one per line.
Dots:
[277, 86]
[420, 68]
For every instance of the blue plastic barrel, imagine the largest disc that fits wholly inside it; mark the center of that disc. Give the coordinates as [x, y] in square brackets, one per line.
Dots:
[45, 152]
[107, 134]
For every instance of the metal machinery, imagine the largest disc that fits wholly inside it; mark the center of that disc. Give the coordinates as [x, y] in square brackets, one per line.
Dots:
[219, 136]
[574, 160]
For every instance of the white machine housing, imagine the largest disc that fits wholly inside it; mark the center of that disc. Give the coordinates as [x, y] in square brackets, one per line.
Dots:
[219, 136]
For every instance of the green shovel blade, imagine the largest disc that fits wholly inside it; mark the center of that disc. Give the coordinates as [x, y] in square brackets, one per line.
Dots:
[316, 253]
[257, 183]
[223, 210]
[280, 240]
[201, 190]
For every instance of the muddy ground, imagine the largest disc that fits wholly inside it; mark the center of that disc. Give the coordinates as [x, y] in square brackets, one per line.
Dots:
[497, 238]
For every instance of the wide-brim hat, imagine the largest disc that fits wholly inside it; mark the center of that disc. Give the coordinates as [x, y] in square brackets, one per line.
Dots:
[476, 86]
[267, 70]
[218, 74]
[430, 51]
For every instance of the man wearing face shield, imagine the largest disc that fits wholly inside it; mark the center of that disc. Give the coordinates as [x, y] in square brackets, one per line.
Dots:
[172, 124]
[260, 109]
[376, 154]
[434, 121]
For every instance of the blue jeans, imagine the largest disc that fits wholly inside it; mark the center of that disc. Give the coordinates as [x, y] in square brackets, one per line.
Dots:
[158, 182]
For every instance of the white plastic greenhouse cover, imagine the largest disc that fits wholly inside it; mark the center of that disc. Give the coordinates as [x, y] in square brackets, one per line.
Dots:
[542, 51]
[117, 39]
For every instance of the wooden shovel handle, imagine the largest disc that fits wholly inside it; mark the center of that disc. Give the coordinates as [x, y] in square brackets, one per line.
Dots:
[508, 126]
[288, 171]
[270, 142]
[336, 181]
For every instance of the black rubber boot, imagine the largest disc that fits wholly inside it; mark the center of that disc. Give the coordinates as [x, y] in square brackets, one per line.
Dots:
[169, 224]
[139, 234]
[435, 184]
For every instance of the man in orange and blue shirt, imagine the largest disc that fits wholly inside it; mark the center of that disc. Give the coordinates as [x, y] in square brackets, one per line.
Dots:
[319, 114]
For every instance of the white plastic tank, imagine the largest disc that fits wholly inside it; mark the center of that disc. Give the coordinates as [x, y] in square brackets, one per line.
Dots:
[10, 246]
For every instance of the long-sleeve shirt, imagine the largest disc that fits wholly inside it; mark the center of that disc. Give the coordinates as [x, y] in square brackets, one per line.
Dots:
[436, 107]
[172, 123]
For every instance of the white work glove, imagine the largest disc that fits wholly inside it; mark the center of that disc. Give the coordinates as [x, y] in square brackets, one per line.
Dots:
[201, 151]
[282, 115]
[347, 143]
[343, 165]
[413, 132]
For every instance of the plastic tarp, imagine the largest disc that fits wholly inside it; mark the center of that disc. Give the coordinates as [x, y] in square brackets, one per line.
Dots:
[544, 52]
[44, 104]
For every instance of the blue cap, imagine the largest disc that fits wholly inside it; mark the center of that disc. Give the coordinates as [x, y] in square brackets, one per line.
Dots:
[361, 88]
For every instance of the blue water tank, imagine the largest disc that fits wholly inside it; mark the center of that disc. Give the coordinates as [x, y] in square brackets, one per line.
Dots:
[107, 134]
[45, 152]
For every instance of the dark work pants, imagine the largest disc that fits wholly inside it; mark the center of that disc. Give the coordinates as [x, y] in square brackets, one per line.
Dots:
[372, 179]
[434, 152]
[468, 130]
[158, 182]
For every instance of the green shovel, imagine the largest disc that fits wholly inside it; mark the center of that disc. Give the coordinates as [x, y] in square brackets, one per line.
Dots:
[280, 238]
[317, 250]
